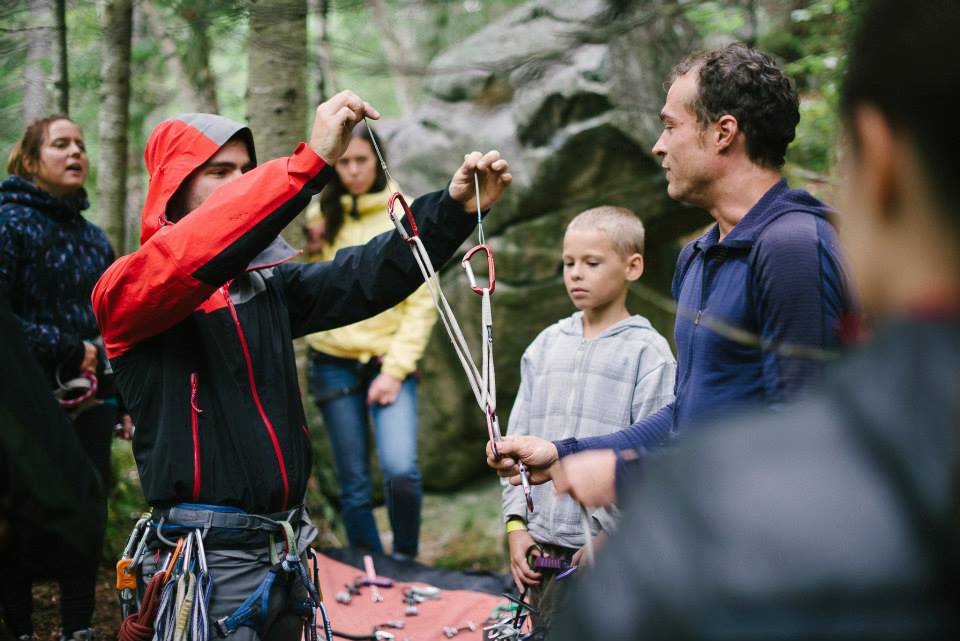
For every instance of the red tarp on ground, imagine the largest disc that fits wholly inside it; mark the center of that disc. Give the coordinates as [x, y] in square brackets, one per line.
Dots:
[454, 608]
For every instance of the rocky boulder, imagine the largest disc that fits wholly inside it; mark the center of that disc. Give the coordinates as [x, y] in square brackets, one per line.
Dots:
[569, 91]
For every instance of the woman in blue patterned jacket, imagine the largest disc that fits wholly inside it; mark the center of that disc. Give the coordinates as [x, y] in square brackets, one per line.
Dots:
[50, 258]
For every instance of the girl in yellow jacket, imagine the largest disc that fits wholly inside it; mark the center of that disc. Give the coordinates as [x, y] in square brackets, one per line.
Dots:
[369, 368]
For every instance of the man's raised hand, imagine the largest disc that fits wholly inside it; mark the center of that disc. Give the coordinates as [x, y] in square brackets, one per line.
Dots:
[333, 122]
[494, 179]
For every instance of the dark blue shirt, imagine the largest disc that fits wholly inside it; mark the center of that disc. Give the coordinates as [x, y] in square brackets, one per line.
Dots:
[50, 259]
[754, 312]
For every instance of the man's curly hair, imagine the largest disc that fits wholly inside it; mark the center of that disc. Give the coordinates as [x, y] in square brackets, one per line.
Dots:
[748, 85]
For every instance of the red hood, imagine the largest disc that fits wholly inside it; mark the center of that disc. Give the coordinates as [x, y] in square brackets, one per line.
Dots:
[175, 149]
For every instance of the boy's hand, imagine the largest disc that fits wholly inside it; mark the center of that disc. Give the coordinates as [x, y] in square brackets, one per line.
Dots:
[494, 179]
[580, 556]
[333, 122]
[523, 575]
[589, 477]
[538, 454]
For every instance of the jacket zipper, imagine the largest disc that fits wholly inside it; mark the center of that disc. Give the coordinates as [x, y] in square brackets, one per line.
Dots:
[195, 425]
[256, 396]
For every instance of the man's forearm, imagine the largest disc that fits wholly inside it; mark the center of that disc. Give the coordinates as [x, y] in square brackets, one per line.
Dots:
[648, 433]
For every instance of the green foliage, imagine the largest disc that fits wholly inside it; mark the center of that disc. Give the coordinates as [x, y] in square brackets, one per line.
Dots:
[810, 40]
[125, 504]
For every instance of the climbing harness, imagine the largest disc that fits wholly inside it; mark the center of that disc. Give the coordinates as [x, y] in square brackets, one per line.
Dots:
[175, 604]
[558, 566]
[482, 381]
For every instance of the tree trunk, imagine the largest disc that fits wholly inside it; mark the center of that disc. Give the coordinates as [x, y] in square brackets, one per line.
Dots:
[196, 60]
[35, 70]
[114, 118]
[401, 55]
[61, 72]
[200, 94]
[325, 81]
[277, 105]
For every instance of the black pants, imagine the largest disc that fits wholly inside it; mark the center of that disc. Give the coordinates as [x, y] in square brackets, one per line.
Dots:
[77, 582]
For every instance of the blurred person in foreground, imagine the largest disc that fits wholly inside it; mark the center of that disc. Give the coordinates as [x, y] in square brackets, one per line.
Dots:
[51, 521]
[837, 517]
[50, 258]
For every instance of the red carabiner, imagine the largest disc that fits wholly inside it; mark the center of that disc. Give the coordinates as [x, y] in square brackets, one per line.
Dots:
[491, 275]
[397, 222]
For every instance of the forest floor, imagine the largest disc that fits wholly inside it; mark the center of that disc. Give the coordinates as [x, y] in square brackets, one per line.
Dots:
[460, 530]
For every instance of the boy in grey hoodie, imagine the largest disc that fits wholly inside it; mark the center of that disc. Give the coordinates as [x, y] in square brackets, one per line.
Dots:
[585, 375]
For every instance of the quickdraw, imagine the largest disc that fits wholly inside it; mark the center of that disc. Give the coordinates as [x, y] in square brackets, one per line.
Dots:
[482, 381]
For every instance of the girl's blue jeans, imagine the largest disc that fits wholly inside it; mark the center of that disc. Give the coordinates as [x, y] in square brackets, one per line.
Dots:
[395, 426]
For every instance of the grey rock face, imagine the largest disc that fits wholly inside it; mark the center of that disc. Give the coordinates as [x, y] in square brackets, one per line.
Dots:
[569, 91]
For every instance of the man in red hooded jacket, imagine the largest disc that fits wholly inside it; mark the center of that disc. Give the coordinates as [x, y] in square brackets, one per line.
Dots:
[199, 322]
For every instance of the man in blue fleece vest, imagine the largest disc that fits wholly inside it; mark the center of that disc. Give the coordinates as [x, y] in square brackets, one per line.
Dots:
[761, 294]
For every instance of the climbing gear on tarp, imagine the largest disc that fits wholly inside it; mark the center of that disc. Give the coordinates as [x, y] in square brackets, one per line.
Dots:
[510, 628]
[482, 383]
[372, 579]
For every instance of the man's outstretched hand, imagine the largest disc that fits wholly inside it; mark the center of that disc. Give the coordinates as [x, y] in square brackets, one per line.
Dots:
[537, 454]
[333, 122]
[494, 179]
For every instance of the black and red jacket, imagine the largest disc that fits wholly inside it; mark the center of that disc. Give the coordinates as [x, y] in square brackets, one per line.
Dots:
[199, 322]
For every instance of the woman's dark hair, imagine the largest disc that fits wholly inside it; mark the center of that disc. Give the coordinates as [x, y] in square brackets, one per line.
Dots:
[330, 203]
[903, 62]
[747, 84]
[28, 147]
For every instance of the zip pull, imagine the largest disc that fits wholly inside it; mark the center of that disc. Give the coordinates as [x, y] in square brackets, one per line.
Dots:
[194, 386]
[696, 321]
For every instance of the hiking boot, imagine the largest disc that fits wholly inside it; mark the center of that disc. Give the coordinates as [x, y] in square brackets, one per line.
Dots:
[86, 634]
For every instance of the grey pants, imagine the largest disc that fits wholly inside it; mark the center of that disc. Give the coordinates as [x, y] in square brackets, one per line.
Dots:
[238, 573]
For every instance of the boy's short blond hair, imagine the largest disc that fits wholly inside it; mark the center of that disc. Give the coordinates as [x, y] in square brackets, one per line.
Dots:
[623, 227]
